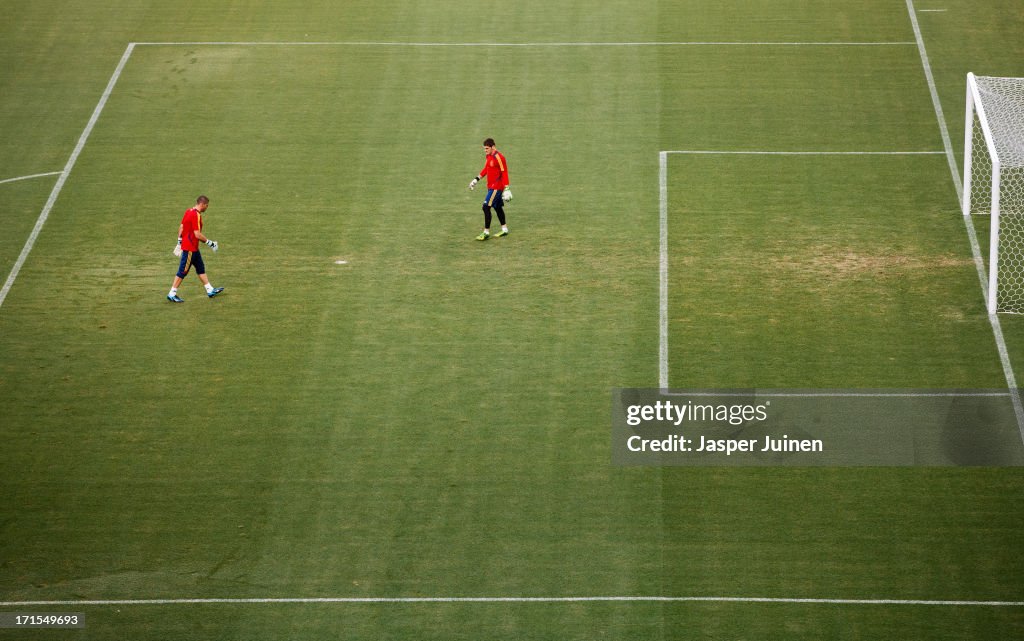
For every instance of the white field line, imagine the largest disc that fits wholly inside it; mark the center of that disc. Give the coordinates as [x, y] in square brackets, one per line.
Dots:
[663, 271]
[804, 153]
[664, 195]
[11, 180]
[663, 382]
[576, 599]
[30, 243]
[936, 103]
[828, 394]
[523, 44]
[997, 329]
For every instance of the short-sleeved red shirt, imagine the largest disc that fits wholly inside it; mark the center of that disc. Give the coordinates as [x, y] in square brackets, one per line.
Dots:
[191, 222]
[496, 170]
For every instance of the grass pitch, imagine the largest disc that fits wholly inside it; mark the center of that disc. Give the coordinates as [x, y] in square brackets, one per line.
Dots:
[430, 419]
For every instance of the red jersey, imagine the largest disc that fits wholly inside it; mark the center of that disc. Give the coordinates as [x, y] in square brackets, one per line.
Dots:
[191, 222]
[496, 170]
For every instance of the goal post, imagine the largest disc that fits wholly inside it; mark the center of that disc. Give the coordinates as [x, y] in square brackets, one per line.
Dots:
[994, 181]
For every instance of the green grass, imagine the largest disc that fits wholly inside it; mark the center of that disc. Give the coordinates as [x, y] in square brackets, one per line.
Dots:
[809, 259]
[431, 418]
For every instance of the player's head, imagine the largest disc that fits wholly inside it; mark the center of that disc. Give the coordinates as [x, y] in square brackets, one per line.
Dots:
[489, 145]
[202, 203]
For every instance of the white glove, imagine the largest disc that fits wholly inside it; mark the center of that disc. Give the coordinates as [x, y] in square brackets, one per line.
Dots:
[506, 195]
[177, 250]
[472, 183]
[213, 244]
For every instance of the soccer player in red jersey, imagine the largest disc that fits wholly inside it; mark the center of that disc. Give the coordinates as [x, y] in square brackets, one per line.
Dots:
[190, 234]
[498, 192]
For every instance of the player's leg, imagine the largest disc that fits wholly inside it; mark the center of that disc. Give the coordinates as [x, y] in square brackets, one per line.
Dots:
[211, 291]
[487, 218]
[499, 209]
[184, 265]
[492, 195]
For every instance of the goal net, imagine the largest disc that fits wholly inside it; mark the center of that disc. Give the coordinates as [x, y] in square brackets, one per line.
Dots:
[994, 181]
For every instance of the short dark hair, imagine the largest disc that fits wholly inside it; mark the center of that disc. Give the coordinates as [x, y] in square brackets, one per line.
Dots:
[489, 142]
[202, 200]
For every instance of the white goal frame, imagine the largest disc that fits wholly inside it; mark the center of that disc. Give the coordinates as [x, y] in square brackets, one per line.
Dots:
[1001, 153]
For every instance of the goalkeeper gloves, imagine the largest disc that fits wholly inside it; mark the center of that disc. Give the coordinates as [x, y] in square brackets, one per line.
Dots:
[506, 195]
[177, 248]
[472, 183]
[213, 244]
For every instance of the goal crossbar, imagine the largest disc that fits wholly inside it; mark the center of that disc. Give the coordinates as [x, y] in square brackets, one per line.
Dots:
[994, 181]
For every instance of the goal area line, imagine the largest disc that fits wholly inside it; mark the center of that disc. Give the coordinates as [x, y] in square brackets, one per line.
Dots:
[836, 394]
[371, 43]
[663, 331]
[523, 599]
[699, 152]
[663, 373]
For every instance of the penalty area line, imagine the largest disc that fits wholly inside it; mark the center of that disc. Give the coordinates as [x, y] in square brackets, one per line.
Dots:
[12, 180]
[55, 192]
[576, 599]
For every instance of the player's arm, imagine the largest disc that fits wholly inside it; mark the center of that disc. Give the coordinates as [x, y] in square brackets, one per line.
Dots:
[203, 239]
[479, 177]
[177, 248]
[506, 192]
